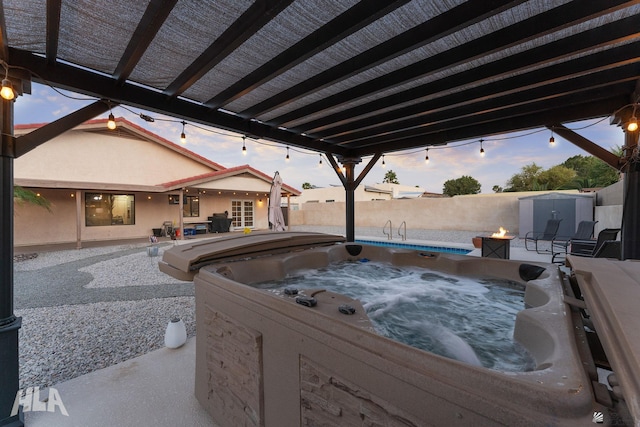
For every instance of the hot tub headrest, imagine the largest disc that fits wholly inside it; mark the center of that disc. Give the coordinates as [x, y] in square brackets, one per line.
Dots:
[530, 272]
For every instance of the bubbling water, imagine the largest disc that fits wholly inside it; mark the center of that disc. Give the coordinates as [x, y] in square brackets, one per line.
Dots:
[466, 319]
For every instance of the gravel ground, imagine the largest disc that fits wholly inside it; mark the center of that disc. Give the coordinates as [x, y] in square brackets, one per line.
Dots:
[87, 309]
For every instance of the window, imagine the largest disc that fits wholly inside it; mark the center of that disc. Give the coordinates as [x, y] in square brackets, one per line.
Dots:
[242, 213]
[109, 209]
[191, 206]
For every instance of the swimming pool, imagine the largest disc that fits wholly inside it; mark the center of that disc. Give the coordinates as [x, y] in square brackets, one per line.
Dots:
[414, 246]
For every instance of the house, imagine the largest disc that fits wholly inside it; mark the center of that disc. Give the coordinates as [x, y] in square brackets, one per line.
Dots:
[126, 183]
[380, 191]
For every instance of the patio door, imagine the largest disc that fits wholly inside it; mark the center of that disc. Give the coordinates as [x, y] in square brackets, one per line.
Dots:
[242, 213]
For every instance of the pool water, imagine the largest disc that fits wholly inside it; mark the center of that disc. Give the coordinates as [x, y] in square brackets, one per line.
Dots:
[418, 247]
[462, 318]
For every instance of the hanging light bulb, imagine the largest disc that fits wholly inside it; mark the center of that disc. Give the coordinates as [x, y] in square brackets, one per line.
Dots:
[7, 89]
[244, 147]
[632, 126]
[481, 149]
[426, 158]
[183, 136]
[111, 123]
[320, 162]
[384, 165]
[286, 159]
[552, 140]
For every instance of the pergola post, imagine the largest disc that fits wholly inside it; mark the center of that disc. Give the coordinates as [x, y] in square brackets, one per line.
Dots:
[631, 202]
[350, 198]
[9, 323]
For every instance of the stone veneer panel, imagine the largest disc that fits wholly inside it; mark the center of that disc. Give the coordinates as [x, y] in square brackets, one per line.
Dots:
[234, 369]
[326, 399]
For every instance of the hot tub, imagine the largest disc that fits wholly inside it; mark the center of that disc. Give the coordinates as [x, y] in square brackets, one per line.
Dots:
[262, 359]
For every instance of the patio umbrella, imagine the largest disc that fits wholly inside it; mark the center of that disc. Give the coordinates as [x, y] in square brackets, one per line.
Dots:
[276, 219]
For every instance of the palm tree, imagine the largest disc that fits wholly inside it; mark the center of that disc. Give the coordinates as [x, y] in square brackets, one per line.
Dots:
[21, 196]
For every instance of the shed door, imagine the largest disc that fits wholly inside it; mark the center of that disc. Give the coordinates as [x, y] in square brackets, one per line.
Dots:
[546, 209]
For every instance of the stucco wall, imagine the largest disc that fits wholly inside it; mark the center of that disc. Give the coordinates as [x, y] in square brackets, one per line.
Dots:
[34, 225]
[78, 156]
[475, 213]
[479, 212]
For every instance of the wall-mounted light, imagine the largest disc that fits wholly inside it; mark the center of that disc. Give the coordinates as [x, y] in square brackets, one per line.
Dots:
[482, 153]
[183, 136]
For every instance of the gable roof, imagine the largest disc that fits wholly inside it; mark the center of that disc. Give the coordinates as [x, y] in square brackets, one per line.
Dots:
[129, 130]
[242, 170]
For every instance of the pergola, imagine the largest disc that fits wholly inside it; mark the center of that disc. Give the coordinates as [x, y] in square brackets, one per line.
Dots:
[350, 79]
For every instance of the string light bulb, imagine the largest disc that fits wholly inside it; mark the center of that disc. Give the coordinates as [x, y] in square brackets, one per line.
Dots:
[286, 159]
[384, 165]
[632, 126]
[552, 140]
[7, 88]
[320, 162]
[183, 136]
[111, 122]
[7, 91]
[244, 147]
[482, 153]
[426, 157]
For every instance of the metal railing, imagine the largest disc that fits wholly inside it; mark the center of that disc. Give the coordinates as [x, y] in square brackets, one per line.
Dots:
[403, 225]
[390, 233]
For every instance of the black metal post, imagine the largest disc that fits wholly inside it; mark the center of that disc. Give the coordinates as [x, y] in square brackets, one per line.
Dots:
[631, 204]
[350, 206]
[9, 323]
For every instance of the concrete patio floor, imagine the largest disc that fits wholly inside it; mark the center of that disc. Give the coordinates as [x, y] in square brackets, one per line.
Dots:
[156, 389]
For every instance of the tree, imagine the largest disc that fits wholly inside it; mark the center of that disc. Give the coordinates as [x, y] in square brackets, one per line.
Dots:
[557, 178]
[463, 185]
[306, 186]
[21, 196]
[526, 179]
[591, 170]
[390, 177]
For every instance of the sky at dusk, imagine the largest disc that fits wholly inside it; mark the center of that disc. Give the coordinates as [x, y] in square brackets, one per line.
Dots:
[505, 155]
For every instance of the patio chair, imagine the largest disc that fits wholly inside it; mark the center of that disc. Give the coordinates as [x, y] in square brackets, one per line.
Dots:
[604, 247]
[560, 245]
[548, 235]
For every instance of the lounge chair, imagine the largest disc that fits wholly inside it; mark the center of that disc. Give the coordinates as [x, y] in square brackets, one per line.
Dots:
[548, 235]
[606, 246]
[560, 245]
